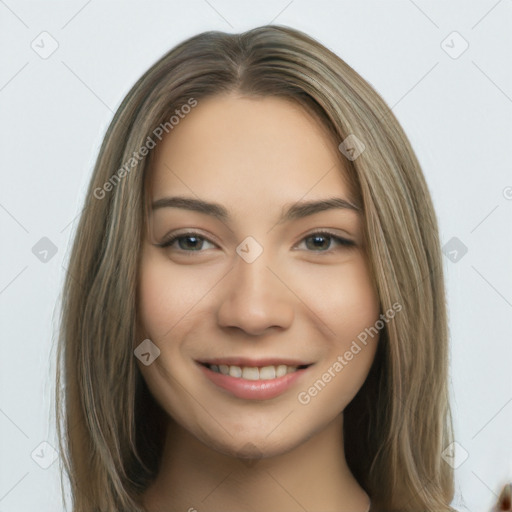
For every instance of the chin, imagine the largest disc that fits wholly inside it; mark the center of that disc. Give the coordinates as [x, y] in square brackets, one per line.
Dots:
[251, 445]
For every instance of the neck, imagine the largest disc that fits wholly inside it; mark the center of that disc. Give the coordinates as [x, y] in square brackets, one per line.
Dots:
[312, 476]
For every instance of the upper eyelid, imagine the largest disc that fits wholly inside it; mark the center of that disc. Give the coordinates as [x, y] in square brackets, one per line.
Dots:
[319, 231]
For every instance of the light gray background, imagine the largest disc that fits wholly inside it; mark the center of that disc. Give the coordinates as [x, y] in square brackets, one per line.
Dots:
[456, 112]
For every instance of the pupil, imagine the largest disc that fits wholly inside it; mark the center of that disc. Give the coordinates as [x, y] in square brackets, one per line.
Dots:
[194, 242]
[320, 239]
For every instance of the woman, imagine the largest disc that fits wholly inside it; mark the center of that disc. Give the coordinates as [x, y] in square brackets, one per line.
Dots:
[254, 314]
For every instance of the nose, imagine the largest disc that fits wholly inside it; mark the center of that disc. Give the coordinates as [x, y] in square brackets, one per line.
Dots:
[255, 298]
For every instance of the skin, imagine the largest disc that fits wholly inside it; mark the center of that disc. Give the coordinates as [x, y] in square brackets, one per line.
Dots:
[253, 156]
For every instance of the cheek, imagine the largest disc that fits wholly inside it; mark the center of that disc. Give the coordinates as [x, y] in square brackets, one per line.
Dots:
[167, 295]
[349, 307]
[345, 300]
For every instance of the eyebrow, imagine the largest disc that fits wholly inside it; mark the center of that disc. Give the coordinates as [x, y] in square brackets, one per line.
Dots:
[291, 212]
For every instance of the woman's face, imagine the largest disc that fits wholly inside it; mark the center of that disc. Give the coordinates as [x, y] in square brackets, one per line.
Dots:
[251, 287]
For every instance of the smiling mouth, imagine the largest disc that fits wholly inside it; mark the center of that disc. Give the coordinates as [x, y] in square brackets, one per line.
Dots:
[254, 372]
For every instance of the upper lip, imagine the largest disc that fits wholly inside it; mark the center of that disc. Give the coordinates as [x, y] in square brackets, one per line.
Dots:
[259, 363]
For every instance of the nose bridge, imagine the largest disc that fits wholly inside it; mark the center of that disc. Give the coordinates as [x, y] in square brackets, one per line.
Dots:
[252, 267]
[253, 277]
[255, 298]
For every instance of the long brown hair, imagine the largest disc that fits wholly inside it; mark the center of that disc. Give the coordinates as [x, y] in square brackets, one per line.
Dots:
[398, 425]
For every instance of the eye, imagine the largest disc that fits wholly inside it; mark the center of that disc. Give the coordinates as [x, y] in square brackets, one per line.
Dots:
[322, 240]
[194, 242]
[191, 241]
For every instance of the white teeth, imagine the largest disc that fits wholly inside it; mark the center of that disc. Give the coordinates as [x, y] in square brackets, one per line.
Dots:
[235, 371]
[281, 370]
[267, 372]
[252, 372]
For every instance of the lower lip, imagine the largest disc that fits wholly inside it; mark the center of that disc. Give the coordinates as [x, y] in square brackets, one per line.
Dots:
[253, 389]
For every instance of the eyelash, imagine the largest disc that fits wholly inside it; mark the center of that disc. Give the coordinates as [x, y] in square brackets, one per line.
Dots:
[173, 238]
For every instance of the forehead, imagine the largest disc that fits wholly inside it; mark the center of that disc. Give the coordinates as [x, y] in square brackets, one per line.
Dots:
[268, 149]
